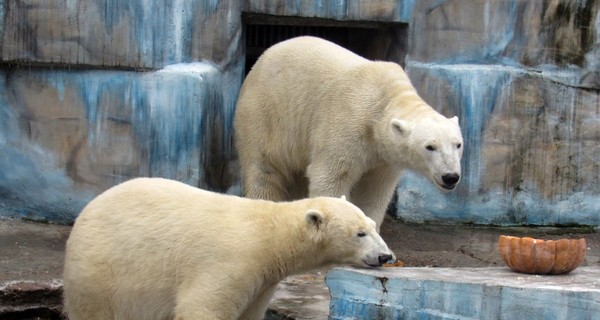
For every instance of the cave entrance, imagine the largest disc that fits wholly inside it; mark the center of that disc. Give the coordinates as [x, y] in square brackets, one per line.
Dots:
[372, 40]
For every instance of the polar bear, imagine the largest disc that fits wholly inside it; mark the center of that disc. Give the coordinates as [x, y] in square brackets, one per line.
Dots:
[154, 248]
[314, 119]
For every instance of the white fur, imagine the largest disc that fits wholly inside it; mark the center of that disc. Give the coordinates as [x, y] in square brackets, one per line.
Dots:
[154, 248]
[315, 119]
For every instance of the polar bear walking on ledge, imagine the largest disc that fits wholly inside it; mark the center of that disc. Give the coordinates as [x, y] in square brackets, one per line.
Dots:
[314, 119]
[157, 249]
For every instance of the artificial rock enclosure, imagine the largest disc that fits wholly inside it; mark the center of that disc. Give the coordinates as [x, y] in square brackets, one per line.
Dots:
[95, 92]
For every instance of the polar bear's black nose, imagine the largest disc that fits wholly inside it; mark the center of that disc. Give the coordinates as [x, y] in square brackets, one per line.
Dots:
[385, 258]
[450, 179]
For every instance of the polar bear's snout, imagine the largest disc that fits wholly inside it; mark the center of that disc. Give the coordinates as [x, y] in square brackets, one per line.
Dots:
[379, 260]
[378, 252]
[450, 180]
[384, 258]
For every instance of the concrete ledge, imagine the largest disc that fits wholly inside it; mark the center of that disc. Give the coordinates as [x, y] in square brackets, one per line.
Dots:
[462, 293]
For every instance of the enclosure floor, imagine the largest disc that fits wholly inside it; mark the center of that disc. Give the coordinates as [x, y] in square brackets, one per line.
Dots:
[33, 252]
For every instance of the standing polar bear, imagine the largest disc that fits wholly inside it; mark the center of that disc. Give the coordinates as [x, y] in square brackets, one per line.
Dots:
[158, 249]
[313, 117]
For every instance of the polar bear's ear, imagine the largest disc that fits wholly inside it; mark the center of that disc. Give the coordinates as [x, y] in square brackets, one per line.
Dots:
[455, 119]
[343, 197]
[314, 217]
[401, 127]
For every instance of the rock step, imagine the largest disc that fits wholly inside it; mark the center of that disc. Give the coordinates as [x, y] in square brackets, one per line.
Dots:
[462, 293]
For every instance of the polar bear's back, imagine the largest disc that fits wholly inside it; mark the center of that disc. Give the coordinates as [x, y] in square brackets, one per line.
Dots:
[156, 212]
[154, 200]
[282, 99]
[308, 52]
[294, 76]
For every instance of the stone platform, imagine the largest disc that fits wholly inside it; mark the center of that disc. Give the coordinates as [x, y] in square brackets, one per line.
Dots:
[462, 293]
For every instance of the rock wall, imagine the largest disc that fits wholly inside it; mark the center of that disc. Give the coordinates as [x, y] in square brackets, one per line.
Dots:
[342, 10]
[121, 34]
[523, 76]
[68, 135]
[94, 92]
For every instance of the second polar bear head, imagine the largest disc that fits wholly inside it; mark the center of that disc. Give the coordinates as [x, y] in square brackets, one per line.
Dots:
[347, 234]
[432, 146]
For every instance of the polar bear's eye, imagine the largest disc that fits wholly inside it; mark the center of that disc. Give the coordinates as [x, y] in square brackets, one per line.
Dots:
[430, 148]
[361, 234]
[458, 146]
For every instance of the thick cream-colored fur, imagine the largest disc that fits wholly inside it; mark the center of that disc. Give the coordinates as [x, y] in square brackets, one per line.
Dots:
[153, 248]
[314, 119]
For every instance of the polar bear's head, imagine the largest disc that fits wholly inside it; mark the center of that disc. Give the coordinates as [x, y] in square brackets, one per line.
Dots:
[347, 235]
[432, 146]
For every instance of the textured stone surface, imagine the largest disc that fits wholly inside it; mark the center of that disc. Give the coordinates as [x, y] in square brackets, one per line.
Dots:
[301, 297]
[462, 293]
[522, 75]
[523, 78]
[68, 135]
[531, 147]
[367, 10]
[535, 34]
[31, 299]
[121, 33]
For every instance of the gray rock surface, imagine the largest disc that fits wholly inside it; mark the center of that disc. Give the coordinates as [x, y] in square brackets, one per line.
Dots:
[97, 91]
